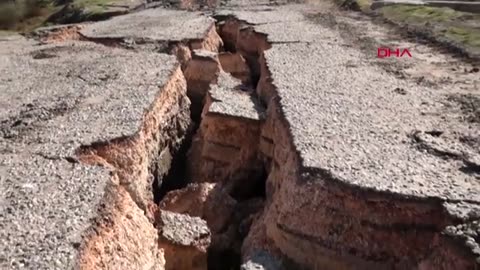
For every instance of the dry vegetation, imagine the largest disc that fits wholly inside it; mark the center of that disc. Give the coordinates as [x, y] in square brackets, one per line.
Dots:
[19, 15]
[26, 15]
[457, 30]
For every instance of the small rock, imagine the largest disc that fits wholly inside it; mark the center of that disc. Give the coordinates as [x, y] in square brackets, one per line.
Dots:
[206, 200]
[262, 260]
[471, 244]
[185, 240]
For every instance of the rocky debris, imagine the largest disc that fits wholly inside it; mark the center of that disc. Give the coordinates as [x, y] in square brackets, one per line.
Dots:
[457, 248]
[250, 43]
[184, 239]
[226, 248]
[469, 234]
[462, 210]
[57, 33]
[208, 201]
[262, 260]
[228, 221]
[183, 53]
[241, 38]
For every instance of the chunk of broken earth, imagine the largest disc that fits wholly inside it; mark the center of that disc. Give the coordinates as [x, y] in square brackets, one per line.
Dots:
[185, 240]
[206, 200]
[204, 54]
[202, 69]
[183, 54]
[262, 260]
[235, 64]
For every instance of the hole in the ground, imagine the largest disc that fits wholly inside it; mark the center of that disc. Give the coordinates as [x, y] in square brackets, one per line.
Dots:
[226, 28]
[252, 62]
[249, 185]
[246, 186]
[224, 259]
[176, 177]
[249, 192]
[241, 38]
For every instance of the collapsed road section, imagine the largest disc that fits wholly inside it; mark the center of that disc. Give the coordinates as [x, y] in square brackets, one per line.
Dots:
[86, 129]
[161, 140]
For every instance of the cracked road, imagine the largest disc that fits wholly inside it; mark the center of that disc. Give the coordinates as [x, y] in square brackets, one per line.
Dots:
[372, 163]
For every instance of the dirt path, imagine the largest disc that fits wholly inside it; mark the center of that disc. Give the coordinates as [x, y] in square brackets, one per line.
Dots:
[430, 64]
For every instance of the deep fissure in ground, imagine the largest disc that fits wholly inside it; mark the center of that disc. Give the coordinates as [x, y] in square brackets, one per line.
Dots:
[177, 177]
[347, 212]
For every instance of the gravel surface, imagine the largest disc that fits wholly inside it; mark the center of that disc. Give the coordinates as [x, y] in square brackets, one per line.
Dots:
[183, 230]
[51, 106]
[45, 207]
[231, 98]
[55, 106]
[152, 25]
[262, 260]
[351, 119]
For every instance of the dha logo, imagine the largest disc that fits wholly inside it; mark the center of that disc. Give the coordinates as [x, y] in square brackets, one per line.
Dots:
[387, 52]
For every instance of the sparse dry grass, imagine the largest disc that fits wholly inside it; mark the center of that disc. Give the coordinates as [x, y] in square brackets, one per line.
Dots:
[445, 24]
[26, 15]
[459, 30]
